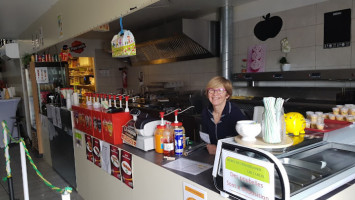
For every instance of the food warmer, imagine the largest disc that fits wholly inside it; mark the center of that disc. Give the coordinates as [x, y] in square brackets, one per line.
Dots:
[313, 170]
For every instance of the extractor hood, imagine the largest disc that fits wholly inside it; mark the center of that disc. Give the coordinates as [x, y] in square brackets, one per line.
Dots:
[179, 40]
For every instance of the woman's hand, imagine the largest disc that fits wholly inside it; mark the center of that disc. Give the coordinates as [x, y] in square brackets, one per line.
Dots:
[211, 149]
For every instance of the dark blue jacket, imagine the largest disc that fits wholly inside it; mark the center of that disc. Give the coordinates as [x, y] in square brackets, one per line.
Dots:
[226, 126]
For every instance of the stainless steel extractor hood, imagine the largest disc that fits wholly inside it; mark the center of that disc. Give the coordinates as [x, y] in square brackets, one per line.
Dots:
[179, 40]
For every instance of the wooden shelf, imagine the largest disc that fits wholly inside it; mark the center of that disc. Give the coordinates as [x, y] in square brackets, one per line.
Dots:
[76, 68]
[79, 85]
[81, 75]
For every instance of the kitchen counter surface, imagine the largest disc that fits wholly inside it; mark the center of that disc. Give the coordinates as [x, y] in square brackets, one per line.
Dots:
[205, 178]
[149, 171]
[200, 155]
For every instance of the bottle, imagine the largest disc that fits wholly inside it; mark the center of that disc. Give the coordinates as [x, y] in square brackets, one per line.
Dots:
[179, 136]
[158, 134]
[168, 142]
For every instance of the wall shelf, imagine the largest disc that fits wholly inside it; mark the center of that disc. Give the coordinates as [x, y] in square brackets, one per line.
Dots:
[306, 75]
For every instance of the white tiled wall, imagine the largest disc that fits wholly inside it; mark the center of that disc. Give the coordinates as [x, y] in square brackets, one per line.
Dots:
[195, 74]
[107, 75]
[303, 27]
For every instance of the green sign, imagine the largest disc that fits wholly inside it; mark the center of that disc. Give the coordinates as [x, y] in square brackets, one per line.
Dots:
[78, 136]
[248, 169]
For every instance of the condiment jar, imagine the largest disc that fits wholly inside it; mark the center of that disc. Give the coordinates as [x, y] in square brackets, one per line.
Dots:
[158, 134]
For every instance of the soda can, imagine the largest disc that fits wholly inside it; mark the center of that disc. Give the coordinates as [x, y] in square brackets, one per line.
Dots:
[179, 146]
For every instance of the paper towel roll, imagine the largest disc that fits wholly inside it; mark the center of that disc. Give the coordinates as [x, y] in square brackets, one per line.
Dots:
[76, 98]
[258, 113]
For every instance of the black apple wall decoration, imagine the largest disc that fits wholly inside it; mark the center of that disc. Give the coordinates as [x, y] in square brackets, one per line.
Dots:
[268, 28]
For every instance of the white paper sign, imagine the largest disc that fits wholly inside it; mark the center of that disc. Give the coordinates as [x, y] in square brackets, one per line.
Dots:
[105, 157]
[247, 177]
[188, 166]
[192, 192]
[41, 74]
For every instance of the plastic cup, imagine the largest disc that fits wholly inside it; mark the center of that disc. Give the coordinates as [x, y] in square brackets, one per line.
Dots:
[339, 117]
[309, 113]
[314, 118]
[319, 113]
[352, 111]
[320, 120]
[336, 110]
[314, 125]
[331, 116]
[325, 115]
[339, 106]
[308, 123]
[344, 111]
[350, 118]
[320, 126]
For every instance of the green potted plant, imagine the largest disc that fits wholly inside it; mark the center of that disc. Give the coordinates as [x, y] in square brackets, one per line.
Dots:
[26, 59]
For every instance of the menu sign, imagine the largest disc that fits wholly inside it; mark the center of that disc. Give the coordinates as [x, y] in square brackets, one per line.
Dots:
[126, 164]
[115, 162]
[89, 147]
[97, 151]
[41, 74]
[247, 177]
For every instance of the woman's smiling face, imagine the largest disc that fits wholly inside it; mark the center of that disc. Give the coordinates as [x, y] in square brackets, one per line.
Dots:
[217, 96]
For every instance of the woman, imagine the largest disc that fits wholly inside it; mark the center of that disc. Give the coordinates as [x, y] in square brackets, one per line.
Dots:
[221, 116]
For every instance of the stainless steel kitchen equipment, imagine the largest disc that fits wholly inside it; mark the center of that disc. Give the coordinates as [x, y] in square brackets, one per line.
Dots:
[312, 171]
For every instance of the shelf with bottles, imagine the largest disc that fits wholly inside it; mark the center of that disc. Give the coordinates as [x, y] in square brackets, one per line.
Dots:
[81, 63]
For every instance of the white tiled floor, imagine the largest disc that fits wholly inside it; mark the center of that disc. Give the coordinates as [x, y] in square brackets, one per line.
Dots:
[37, 189]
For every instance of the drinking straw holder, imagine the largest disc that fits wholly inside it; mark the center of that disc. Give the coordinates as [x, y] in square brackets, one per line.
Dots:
[273, 123]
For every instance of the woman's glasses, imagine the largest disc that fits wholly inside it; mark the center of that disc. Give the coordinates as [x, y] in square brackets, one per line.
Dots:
[218, 90]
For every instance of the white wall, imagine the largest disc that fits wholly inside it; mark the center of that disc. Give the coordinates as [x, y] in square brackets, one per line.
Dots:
[303, 27]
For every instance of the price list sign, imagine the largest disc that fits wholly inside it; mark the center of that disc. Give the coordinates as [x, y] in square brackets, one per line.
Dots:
[247, 177]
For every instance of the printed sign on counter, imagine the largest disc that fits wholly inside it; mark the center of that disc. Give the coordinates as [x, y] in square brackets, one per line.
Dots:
[126, 165]
[89, 147]
[247, 177]
[96, 151]
[115, 162]
[193, 193]
[105, 157]
[129, 134]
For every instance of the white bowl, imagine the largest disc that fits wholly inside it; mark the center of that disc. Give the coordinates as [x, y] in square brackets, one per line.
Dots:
[248, 129]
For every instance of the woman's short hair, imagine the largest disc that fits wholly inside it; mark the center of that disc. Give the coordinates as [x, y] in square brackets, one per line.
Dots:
[219, 81]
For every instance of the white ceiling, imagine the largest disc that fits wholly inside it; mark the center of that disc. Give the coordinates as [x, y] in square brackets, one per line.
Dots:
[17, 15]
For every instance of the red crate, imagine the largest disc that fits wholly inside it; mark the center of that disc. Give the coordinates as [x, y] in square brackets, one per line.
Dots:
[330, 125]
[112, 126]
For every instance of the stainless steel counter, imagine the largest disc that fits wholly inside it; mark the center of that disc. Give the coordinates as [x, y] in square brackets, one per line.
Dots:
[201, 155]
